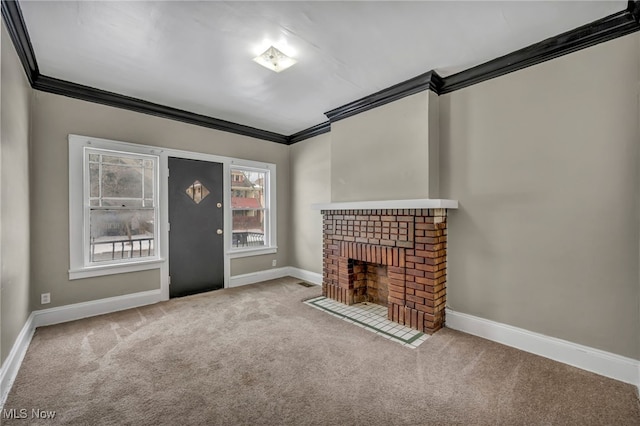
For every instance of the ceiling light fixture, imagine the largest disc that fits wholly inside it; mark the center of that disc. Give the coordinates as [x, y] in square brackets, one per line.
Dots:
[274, 59]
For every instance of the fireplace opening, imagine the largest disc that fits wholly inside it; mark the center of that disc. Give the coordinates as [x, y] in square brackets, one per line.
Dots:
[370, 283]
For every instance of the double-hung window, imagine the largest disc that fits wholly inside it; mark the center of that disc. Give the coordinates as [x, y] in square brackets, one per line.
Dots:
[115, 227]
[252, 212]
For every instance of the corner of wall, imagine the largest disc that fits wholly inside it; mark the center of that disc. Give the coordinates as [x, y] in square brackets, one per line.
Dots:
[14, 221]
[434, 144]
[638, 180]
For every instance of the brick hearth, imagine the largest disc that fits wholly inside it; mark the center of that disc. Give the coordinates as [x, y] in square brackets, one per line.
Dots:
[410, 243]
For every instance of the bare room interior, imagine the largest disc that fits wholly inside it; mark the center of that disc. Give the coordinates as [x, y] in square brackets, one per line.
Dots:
[367, 212]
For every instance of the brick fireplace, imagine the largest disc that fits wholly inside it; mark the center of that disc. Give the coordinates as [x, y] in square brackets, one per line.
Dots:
[393, 257]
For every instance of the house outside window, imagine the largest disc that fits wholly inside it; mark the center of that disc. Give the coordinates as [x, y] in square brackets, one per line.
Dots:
[251, 213]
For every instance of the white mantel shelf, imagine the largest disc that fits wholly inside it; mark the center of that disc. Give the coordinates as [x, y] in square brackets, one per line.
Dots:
[423, 203]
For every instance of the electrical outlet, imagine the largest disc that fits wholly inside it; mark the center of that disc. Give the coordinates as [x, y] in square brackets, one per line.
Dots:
[274, 262]
[45, 298]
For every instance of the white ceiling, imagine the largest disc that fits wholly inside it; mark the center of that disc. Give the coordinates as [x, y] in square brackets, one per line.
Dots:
[197, 56]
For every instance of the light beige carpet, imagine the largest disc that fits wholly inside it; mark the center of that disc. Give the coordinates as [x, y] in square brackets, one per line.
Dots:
[258, 355]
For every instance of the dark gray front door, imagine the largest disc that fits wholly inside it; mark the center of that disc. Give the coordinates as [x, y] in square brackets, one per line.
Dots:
[196, 243]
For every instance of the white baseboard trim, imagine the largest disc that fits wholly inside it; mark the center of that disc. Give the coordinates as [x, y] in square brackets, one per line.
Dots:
[302, 274]
[595, 360]
[63, 314]
[95, 307]
[275, 273]
[256, 277]
[12, 364]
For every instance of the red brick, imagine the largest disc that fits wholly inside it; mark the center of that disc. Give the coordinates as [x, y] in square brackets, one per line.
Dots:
[395, 269]
[397, 295]
[414, 285]
[405, 244]
[435, 260]
[436, 274]
[431, 254]
[426, 309]
[424, 294]
[426, 240]
[398, 284]
[416, 299]
[428, 268]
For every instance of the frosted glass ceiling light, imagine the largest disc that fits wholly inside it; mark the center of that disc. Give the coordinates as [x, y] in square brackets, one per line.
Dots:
[274, 59]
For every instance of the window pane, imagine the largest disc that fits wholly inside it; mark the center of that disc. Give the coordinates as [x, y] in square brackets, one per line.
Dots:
[121, 234]
[94, 179]
[247, 189]
[148, 183]
[248, 228]
[121, 181]
[131, 203]
[122, 160]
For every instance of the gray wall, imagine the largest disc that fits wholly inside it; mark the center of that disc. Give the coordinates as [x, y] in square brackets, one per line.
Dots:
[382, 153]
[544, 162]
[54, 118]
[14, 194]
[310, 183]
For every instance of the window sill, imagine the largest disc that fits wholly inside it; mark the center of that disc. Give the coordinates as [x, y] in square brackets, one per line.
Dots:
[251, 252]
[120, 268]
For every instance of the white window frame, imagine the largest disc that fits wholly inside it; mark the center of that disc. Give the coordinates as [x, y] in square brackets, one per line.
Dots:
[270, 238]
[79, 227]
[77, 268]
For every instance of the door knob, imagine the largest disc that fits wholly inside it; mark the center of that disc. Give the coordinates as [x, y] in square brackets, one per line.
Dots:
[219, 232]
[219, 205]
